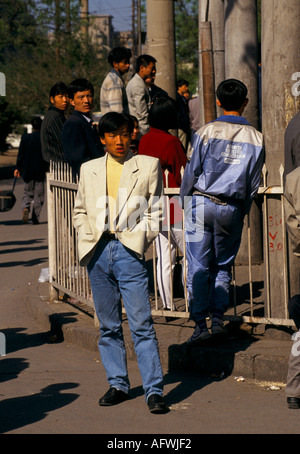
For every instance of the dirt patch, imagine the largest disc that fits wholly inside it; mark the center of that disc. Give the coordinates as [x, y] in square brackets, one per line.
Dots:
[8, 158]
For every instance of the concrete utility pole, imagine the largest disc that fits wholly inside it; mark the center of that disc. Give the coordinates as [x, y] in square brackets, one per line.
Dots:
[139, 28]
[161, 42]
[241, 51]
[207, 69]
[280, 60]
[212, 11]
[134, 46]
[241, 46]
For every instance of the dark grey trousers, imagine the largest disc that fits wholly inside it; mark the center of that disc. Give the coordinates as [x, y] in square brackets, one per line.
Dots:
[34, 191]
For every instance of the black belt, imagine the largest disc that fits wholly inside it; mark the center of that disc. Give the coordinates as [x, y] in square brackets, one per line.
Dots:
[219, 200]
[108, 236]
[212, 198]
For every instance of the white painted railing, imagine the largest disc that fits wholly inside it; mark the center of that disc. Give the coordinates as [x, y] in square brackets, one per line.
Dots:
[68, 277]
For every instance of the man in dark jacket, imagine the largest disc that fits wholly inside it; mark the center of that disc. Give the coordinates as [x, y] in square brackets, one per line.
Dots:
[81, 141]
[53, 122]
[32, 167]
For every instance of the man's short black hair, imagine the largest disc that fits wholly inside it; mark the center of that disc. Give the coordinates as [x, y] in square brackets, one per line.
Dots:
[36, 123]
[118, 54]
[112, 121]
[79, 85]
[59, 88]
[144, 60]
[181, 82]
[163, 114]
[231, 93]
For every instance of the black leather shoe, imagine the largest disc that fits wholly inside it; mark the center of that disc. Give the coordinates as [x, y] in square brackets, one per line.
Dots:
[293, 402]
[113, 397]
[157, 404]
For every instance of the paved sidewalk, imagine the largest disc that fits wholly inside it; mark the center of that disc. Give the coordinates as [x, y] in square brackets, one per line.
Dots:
[241, 354]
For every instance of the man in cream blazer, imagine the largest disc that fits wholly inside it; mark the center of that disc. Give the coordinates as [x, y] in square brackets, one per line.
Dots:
[118, 210]
[140, 183]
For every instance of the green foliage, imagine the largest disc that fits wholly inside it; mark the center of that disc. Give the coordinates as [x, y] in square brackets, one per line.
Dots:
[17, 29]
[40, 44]
[8, 117]
[186, 35]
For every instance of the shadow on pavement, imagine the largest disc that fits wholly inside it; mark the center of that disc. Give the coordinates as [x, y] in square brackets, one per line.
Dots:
[22, 411]
[216, 356]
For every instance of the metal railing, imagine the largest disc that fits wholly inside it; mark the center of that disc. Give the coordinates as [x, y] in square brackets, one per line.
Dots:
[65, 273]
[67, 276]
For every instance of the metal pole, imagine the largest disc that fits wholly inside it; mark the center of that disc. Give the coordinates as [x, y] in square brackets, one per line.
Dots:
[139, 29]
[212, 11]
[53, 293]
[208, 78]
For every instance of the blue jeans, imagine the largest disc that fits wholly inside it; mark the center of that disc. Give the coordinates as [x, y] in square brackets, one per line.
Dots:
[213, 236]
[115, 272]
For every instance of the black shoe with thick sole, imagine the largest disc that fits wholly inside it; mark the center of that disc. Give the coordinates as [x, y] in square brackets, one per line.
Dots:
[157, 404]
[293, 402]
[113, 396]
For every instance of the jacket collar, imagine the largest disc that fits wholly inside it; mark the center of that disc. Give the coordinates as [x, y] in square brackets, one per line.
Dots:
[81, 115]
[127, 182]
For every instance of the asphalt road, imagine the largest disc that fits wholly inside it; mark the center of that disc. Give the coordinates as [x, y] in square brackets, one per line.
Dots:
[50, 387]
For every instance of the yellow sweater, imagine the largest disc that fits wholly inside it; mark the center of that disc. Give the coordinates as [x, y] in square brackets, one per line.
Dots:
[113, 175]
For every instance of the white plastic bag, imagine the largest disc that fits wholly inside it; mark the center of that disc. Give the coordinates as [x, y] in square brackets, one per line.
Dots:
[44, 275]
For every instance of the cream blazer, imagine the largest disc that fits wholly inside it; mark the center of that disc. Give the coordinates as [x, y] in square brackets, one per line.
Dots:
[139, 205]
[139, 101]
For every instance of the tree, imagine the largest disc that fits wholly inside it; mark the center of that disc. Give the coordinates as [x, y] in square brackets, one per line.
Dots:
[40, 44]
[186, 33]
[17, 36]
[8, 117]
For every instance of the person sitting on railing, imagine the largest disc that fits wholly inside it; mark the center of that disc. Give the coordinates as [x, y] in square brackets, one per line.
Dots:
[159, 143]
[218, 186]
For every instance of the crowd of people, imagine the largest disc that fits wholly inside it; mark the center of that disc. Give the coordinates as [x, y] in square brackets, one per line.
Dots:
[121, 164]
